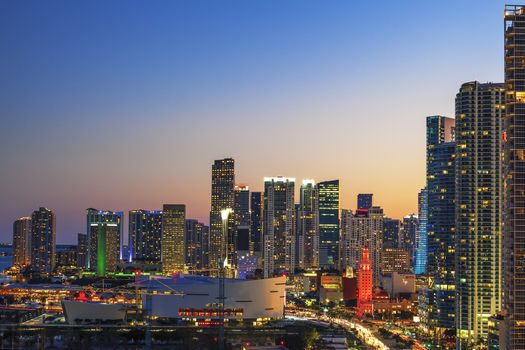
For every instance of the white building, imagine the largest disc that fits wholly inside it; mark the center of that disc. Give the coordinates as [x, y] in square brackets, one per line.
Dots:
[197, 297]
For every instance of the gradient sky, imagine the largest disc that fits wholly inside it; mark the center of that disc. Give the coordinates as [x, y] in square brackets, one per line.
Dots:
[125, 104]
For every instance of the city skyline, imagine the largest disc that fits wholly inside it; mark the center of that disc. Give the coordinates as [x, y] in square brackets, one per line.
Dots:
[340, 72]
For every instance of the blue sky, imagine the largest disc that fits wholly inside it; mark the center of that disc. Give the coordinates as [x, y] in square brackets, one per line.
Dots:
[125, 104]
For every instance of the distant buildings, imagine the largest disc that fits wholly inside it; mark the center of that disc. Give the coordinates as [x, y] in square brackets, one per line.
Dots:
[82, 249]
[197, 237]
[441, 155]
[278, 225]
[222, 197]
[256, 218]
[173, 242]
[308, 226]
[391, 232]
[22, 242]
[242, 243]
[410, 236]
[395, 260]
[145, 230]
[422, 243]
[43, 241]
[479, 111]
[364, 200]
[329, 236]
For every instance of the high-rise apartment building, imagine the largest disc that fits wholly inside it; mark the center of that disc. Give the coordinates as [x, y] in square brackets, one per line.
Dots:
[422, 243]
[363, 230]
[441, 154]
[43, 241]
[256, 222]
[278, 225]
[364, 200]
[328, 208]
[479, 113]
[104, 236]
[513, 136]
[173, 241]
[308, 226]
[22, 242]
[144, 232]
[222, 197]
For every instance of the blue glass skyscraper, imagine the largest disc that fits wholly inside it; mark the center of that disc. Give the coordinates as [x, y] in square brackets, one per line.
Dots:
[422, 243]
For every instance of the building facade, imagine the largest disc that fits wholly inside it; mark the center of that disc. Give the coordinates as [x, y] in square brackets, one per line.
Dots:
[173, 244]
[479, 113]
[422, 243]
[197, 235]
[514, 179]
[328, 208]
[308, 226]
[145, 231]
[43, 241]
[278, 225]
[222, 197]
[441, 154]
[22, 242]
[108, 224]
[364, 200]
[256, 200]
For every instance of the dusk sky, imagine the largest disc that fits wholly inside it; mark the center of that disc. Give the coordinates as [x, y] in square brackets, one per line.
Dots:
[123, 105]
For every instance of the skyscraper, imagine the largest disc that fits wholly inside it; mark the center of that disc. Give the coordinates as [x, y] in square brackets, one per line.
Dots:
[173, 245]
[422, 243]
[256, 222]
[241, 221]
[479, 112]
[364, 230]
[364, 200]
[145, 231]
[410, 236]
[441, 154]
[22, 242]
[196, 237]
[222, 197]
[391, 231]
[364, 285]
[104, 236]
[328, 199]
[346, 243]
[82, 249]
[308, 226]
[278, 225]
[514, 179]
[43, 241]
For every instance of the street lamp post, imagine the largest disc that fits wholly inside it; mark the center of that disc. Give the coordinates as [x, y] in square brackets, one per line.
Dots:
[223, 262]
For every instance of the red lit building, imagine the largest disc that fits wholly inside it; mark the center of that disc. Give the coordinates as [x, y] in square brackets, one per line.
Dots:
[364, 285]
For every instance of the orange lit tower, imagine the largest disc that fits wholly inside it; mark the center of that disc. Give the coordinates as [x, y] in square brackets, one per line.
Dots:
[364, 285]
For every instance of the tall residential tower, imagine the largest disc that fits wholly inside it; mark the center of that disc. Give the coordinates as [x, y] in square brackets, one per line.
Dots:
[479, 111]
